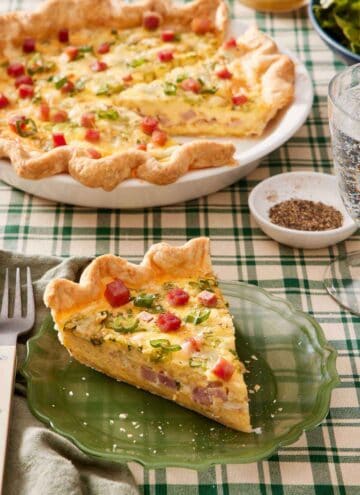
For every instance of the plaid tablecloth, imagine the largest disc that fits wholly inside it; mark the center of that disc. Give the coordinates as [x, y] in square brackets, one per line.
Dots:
[325, 461]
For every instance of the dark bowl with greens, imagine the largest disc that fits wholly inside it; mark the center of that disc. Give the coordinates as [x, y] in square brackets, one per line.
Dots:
[338, 24]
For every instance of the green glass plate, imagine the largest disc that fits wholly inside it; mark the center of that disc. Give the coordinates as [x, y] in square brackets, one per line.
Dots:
[291, 375]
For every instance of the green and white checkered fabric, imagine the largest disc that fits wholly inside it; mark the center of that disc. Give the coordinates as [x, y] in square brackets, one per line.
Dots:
[325, 461]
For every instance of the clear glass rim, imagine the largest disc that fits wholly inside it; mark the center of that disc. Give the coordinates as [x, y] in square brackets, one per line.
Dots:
[331, 91]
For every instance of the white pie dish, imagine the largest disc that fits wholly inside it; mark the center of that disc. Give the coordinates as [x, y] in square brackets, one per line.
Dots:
[312, 186]
[135, 193]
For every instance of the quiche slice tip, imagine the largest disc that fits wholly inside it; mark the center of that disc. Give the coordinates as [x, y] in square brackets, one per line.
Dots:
[162, 326]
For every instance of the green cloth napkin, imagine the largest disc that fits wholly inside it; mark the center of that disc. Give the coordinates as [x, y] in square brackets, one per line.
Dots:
[39, 461]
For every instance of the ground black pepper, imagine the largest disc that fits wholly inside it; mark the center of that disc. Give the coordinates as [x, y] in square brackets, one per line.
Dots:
[303, 214]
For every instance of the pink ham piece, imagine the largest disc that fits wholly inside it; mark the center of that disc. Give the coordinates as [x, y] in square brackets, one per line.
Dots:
[148, 374]
[205, 395]
[190, 114]
[201, 396]
[167, 381]
[207, 298]
[145, 316]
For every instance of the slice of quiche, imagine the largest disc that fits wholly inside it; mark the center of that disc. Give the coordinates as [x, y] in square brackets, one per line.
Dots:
[236, 92]
[162, 326]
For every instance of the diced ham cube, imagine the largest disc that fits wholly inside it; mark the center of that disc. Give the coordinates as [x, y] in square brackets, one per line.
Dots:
[23, 80]
[26, 91]
[16, 69]
[92, 135]
[177, 297]
[202, 396]
[168, 322]
[165, 56]
[148, 374]
[223, 369]
[207, 298]
[230, 43]
[93, 153]
[104, 48]
[116, 293]
[159, 137]
[145, 316]
[59, 139]
[28, 45]
[167, 381]
[168, 35]
[59, 116]
[151, 20]
[63, 35]
[4, 101]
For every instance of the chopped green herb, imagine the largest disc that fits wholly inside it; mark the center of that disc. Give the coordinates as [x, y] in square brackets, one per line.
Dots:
[110, 114]
[170, 88]
[37, 64]
[204, 284]
[121, 325]
[168, 285]
[37, 99]
[155, 309]
[26, 127]
[144, 300]
[208, 91]
[165, 345]
[60, 82]
[181, 78]
[82, 50]
[108, 90]
[198, 316]
[137, 62]
[195, 362]
[80, 83]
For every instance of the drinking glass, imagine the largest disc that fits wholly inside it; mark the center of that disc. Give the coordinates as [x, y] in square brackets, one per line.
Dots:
[342, 277]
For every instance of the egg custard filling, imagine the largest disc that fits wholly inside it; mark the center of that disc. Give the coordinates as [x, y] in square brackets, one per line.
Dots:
[172, 336]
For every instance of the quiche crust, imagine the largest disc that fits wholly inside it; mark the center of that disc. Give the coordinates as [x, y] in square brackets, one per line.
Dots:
[118, 355]
[160, 261]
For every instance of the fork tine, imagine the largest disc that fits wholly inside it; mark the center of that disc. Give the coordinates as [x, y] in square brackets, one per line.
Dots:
[30, 309]
[5, 299]
[17, 299]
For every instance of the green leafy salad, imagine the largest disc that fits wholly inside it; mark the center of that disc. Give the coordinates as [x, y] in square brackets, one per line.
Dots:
[341, 20]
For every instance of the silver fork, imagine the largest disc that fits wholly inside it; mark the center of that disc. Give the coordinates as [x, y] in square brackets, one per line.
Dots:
[10, 328]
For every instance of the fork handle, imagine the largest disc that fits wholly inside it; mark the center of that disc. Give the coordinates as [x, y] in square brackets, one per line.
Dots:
[7, 378]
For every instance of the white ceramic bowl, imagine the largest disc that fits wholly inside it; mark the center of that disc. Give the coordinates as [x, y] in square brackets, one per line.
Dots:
[300, 185]
[135, 193]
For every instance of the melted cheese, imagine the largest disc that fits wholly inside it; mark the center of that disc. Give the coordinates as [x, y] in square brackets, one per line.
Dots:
[215, 333]
[133, 52]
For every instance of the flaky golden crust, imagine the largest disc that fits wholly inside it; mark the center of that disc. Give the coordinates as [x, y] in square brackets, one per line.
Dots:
[262, 61]
[161, 261]
[108, 172]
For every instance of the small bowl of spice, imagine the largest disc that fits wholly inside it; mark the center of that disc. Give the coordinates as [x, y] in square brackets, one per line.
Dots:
[302, 210]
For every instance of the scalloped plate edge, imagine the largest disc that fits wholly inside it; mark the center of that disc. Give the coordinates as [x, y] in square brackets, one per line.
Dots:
[321, 407]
